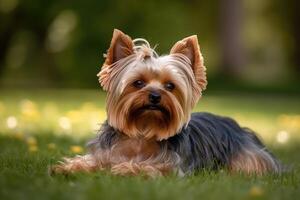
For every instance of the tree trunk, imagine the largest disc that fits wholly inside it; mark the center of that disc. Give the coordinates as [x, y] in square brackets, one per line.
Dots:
[295, 19]
[232, 51]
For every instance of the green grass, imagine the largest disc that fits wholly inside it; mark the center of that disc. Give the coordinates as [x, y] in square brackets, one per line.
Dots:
[37, 128]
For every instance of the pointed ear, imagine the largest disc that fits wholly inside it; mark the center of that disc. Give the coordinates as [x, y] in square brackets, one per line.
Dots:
[121, 46]
[190, 48]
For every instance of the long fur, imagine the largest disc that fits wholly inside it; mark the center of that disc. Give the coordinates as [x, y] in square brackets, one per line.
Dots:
[144, 63]
[141, 136]
[207, 142]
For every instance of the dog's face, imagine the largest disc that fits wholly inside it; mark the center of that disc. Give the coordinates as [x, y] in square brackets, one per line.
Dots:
[151, 96]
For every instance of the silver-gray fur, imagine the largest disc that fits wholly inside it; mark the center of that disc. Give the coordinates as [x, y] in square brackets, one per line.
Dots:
[207, 142]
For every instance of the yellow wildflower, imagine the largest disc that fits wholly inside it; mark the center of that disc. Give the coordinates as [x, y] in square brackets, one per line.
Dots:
[256, 191]
[31, 141]
[33, 148]
[76, 149]
[18, 135]
[51, 146]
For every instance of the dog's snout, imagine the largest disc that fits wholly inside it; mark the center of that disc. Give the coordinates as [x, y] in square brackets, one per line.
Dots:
[154, 97]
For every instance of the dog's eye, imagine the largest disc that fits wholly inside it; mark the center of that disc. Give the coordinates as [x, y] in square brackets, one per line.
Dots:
[139, 83]
[169, 86]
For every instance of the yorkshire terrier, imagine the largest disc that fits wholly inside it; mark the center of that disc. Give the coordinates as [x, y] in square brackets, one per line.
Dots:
[150, 129]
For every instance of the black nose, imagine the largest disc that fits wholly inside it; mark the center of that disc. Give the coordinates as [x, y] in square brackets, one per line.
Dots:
[154, 97]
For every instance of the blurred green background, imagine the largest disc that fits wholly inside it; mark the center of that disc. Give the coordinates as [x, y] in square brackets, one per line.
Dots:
[247, 44]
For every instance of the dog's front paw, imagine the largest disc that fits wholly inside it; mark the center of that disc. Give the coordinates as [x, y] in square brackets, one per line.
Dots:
[58, 169]
[125, 169]
[134, 169]
[85, 163]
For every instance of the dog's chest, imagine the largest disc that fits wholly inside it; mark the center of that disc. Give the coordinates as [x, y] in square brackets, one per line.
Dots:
[133, 148]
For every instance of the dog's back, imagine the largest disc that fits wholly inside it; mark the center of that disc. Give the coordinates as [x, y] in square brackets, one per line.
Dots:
[213, 142]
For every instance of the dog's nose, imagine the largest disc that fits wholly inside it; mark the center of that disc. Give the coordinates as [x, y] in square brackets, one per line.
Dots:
[154, 97]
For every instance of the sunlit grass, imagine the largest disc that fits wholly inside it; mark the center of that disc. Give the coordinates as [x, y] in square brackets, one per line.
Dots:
[59, 114]
[80, 113]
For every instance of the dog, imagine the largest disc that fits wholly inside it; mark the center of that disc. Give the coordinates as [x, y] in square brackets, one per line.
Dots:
[150, 129]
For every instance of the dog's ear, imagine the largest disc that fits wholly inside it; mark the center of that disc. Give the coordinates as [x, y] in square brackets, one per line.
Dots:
[121, 46]
[190, 48]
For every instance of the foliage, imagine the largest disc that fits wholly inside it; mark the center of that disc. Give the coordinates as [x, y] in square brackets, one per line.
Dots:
[60, 43]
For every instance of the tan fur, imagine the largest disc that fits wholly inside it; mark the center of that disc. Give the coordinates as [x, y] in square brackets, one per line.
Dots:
[127, 157]
[129, 60]
[253, 161]
[130, 168]
[86, 163]
[183, 67]
[121, 46]
[189, 47]
[137, 150]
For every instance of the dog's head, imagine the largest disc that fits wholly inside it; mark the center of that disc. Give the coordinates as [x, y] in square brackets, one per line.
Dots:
[151, 96]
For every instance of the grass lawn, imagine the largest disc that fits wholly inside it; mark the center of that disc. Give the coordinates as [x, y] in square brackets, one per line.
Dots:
[37, 128]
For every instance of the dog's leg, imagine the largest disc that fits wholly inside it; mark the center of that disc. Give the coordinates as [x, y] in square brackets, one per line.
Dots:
[86, 163]
[146, 169]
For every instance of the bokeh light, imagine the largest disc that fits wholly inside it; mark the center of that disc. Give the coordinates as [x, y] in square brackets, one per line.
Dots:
[12, 122]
